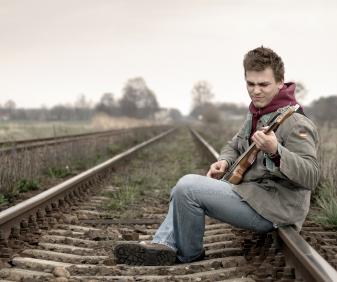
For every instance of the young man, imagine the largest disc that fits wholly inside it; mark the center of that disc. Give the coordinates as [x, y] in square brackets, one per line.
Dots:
[275, 191]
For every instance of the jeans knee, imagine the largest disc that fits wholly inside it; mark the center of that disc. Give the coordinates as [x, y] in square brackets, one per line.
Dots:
[183, 185]
[188, 180]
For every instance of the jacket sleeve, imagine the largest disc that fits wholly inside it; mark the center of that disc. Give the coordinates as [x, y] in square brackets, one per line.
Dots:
[231, 151]
[299, 153]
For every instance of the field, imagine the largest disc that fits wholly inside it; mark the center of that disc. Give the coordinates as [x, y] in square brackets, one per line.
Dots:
[10, 131]
[24, 173]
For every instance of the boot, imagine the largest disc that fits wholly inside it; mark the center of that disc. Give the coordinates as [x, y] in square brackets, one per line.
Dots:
[144, 254]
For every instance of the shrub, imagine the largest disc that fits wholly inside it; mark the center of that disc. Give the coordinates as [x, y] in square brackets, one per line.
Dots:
[25, 185]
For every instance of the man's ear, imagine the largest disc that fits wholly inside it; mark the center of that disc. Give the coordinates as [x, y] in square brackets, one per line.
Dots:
[280, 84]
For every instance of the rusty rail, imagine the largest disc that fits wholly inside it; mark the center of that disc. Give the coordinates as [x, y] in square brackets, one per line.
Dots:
[8, 146]
[309, 265]
[34, 209]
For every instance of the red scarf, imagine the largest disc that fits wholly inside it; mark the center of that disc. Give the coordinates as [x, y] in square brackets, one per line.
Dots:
[285, 97]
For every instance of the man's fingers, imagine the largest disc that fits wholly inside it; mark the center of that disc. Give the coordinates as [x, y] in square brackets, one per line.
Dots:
[223, 166]
[217, 169]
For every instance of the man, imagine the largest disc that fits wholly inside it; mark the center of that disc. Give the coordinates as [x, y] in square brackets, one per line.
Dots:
[275, 191]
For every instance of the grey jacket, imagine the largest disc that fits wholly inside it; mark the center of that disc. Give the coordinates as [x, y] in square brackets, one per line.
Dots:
[280, 194]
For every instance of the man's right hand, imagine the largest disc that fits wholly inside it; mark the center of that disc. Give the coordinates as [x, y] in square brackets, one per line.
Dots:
[218, 169]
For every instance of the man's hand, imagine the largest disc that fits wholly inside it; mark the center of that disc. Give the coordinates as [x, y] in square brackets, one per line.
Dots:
[265, 142]
[218, 169]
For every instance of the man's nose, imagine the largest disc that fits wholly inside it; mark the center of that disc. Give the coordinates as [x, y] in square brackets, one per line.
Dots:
[256, 89]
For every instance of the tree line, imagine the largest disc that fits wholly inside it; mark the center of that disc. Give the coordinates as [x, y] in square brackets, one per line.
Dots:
[322, 110]
[139, 101]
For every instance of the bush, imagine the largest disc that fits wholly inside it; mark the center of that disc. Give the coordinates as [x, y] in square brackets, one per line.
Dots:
[25, 185]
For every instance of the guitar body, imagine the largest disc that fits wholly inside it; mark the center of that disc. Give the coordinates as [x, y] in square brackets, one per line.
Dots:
[235, 177]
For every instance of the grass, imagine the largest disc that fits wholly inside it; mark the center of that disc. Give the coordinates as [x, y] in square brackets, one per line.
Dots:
[26, 185]
[326, 200]
[58, 172]
[2, 199]
[123, 197]
[47, 164]
[20, 130]
[22, 186]
[10, 130]
[149, 177]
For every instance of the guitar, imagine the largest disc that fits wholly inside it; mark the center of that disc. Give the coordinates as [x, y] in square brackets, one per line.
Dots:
[245, 161]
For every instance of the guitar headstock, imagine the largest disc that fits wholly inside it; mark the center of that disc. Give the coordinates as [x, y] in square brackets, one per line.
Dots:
[286, 113]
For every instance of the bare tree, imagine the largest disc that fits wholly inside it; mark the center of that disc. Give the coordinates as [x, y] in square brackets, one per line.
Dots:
[138, 100]
[9, 107]
[82, 102]
[201, 93]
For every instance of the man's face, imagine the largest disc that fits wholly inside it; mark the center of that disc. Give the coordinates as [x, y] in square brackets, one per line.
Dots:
[262, 87]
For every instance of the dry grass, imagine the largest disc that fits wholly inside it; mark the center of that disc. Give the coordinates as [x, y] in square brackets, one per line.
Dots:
[40, 164]
[326, 200]
[218, 134]
[10, 131]
[103, 122]
[327, 155]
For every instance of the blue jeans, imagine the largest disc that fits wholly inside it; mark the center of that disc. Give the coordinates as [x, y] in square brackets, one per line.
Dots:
[195, 196]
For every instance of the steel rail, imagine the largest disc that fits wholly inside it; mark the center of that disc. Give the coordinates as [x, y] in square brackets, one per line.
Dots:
[8, 146]
[309, 265]
[34, 140]
[12, 216]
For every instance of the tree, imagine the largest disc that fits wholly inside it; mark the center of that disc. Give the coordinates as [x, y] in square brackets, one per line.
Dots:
[207, 112]
[201, 93]
[300, 92]
[82, 102]
[60, 112]
[107, 104]
[10, 105]
[324, 109]
[138, 100]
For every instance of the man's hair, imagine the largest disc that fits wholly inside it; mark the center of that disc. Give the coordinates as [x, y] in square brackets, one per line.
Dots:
[261, 58]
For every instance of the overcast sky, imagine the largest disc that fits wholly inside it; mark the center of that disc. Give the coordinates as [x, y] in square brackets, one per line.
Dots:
[51, 51]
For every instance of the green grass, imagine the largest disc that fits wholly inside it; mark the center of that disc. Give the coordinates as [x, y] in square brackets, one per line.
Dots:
[149, 177]
[326, 200]
[26, 185]
[58, 172]
[123, 197]
[2, 199]
[22, 186]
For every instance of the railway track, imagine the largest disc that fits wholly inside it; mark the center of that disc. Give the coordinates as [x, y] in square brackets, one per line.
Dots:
[32, 165]
[65, 234]
[27, 144]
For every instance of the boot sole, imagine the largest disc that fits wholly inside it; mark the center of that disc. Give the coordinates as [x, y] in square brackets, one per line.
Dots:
[137, 254]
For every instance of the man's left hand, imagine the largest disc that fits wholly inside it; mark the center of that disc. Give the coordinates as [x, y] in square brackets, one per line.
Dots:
[265, 142]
